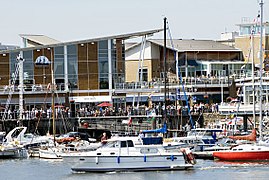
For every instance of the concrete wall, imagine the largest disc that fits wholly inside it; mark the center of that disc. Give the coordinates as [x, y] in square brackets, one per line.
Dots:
[244, 43]
[131, 68]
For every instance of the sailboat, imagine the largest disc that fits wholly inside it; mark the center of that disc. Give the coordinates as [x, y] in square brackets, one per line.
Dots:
[54, 149]
[249, 152]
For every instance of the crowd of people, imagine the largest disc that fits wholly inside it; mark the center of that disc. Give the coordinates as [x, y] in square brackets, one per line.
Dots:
[95, 111]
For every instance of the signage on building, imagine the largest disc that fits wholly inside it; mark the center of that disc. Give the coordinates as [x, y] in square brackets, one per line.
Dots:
[42, 61]
[91, 98]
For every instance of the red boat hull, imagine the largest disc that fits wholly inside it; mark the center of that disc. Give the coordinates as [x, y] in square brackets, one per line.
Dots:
[242, 156]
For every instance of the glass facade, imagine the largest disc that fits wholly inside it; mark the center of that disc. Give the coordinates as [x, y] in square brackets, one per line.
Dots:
[59, 62]
[246, 30]
[28, 66]
[72, 66]
[118, 69]
[103, 64]
[13, 64]
[86, 65]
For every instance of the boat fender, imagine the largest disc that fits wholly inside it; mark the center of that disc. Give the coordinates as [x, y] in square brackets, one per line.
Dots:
[96, 160]
[188, 156]
[145, 158]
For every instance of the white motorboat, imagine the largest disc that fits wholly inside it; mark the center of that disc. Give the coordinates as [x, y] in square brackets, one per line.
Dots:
[129, 154]
[12, 151]
[51, 151]
[28, 141]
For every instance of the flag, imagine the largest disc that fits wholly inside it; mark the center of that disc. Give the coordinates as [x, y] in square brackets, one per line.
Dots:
[130, 121]
[151, 119]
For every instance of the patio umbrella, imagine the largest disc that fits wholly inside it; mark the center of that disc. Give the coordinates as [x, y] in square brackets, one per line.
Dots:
[104, 104]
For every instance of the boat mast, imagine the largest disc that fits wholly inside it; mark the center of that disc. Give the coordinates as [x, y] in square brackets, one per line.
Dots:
[53, 98]
[253, 82]
[164, 58]
[20, 63]
[261, 69]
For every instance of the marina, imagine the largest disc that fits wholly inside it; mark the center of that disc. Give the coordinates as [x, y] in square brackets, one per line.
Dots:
[137, 106]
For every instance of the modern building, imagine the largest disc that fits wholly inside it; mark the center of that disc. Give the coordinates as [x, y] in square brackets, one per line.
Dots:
[7, 47]
[251, 85]
[84, 71]
[202, 65]
[249, 41]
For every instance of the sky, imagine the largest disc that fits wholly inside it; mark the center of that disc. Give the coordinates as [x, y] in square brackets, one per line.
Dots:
[71, 20]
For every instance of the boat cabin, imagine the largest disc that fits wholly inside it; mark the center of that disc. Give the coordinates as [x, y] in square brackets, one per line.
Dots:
[208, 136]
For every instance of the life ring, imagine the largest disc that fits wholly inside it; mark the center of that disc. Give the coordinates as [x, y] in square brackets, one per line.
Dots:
[188, 156]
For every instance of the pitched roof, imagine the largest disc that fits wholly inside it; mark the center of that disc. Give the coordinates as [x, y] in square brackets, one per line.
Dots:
[39, 39]
[194, 45]
[121, 36]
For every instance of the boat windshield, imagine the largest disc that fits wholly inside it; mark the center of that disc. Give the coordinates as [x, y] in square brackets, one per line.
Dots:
[111, 144]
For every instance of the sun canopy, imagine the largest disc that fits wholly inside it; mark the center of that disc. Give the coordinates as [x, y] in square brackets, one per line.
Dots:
[104, 104]
[161, 130]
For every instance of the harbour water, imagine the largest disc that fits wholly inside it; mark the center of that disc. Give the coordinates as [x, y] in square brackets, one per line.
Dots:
[32, 169]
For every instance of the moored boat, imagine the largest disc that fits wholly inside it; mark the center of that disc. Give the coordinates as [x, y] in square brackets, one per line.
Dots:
[126, 154]
[12, 152]
[245, 152]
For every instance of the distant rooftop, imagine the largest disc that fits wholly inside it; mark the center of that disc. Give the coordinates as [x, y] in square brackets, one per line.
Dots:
[194, 45]
[7, 47]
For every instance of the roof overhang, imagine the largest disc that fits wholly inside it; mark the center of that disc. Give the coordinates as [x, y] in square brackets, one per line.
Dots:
[121, 36]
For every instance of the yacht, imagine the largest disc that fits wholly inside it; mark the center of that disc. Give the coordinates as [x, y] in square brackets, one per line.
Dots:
[130, 154]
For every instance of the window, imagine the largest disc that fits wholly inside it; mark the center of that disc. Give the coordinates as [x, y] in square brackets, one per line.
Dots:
[123, 144]
[13, 63]
[28, 65]
[103, 64]
[130, 143]
[72, 66]
[144, 74]
[59, 62]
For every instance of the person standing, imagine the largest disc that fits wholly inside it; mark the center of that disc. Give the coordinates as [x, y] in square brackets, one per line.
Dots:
[104, 139]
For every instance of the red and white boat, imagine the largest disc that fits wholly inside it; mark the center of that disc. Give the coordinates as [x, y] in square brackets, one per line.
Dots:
[244, 152]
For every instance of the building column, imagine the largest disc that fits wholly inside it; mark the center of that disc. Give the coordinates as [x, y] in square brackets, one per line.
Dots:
[65, 69]
[110, 67]
[177, 66]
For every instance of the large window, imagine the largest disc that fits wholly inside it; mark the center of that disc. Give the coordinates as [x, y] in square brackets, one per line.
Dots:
[103, 64]
[13, 64]
[72, 60]
[245, 30]
[28, 65]
[59, 62]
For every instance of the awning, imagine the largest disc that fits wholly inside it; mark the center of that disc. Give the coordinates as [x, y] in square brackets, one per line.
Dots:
[190, 63]
[161, 130]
